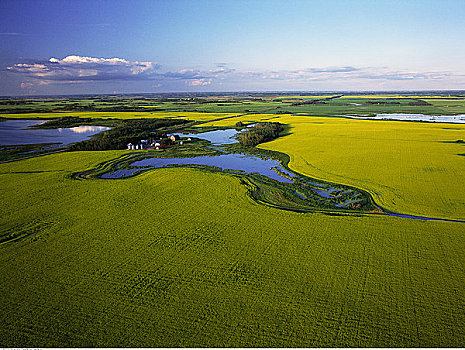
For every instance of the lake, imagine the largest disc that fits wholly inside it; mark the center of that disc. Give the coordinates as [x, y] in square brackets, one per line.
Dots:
[216, 137]
[232, 162]
[459, 118]
[17, 132]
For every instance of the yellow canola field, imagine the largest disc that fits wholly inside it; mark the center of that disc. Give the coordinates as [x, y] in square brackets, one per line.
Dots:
[244, 118]
[411, 168]
[208, 267]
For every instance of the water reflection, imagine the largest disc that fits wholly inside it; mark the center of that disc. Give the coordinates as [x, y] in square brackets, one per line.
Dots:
[17, 132]
[227, 162]
[84, 129]
[459, 118]
[216, 137]
[243, 163]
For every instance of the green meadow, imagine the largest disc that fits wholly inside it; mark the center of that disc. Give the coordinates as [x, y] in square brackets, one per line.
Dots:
[181, 257]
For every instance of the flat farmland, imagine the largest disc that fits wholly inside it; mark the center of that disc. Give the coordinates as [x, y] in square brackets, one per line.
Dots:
[244, 118]
[166, 259]
[411, 168]
[448, 105]
[121, 115]
[185, 258]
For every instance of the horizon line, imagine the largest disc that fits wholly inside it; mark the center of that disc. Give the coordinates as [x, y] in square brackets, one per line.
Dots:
[237, 92]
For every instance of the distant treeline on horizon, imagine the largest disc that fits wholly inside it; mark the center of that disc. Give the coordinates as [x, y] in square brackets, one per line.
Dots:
[460, 93]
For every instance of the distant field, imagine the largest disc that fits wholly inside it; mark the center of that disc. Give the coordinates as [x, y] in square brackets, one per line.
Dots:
[452, 106]
[445, 101]
[122, 115]
[322, 105]
[166, 260]
[247, 118]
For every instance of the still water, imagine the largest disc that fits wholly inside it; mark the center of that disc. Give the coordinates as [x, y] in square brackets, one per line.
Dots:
[232, 162]
[17, 132]
[216, 137]
[459, 118]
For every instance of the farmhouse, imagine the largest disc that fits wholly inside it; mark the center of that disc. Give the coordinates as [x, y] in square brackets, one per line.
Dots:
[156, 144]
[131, 146]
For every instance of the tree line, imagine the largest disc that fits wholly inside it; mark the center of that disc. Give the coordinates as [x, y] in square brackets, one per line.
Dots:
[261, 132]
[126, 131]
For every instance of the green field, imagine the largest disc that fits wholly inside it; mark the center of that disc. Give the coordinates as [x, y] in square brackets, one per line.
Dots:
[411, 168]
[153, 261]
[121, 115]
[414, 168]
[322, 105]
[183, 257]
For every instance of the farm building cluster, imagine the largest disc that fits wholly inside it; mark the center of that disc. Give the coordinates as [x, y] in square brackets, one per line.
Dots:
[155, 143]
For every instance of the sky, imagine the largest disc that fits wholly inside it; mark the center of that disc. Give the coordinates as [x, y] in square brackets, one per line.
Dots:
[149, 46]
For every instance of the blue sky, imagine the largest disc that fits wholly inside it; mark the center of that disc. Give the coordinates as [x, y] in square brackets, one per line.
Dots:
[74, 47]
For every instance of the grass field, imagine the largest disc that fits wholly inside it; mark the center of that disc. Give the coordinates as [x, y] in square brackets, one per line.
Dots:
[245, 118]
[452, 106]
[166, 259]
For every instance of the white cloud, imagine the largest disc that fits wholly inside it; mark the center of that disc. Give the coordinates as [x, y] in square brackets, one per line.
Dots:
[26, 85]
[344, 73]
[82, 68]
[75, 69]
[199, 82]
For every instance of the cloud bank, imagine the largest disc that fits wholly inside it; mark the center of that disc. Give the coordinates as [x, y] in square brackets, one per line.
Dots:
[41, 74]
[80, 68]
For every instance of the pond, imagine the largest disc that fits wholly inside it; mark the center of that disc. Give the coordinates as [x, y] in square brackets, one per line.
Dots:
[216, 137]
[227, 162]
[241, 163]
[17, 132]
[304, 188]
[459, 118]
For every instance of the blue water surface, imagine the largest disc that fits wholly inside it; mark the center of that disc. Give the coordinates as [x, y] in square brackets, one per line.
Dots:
[234, 161]
[17, 132]
[216, 137]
